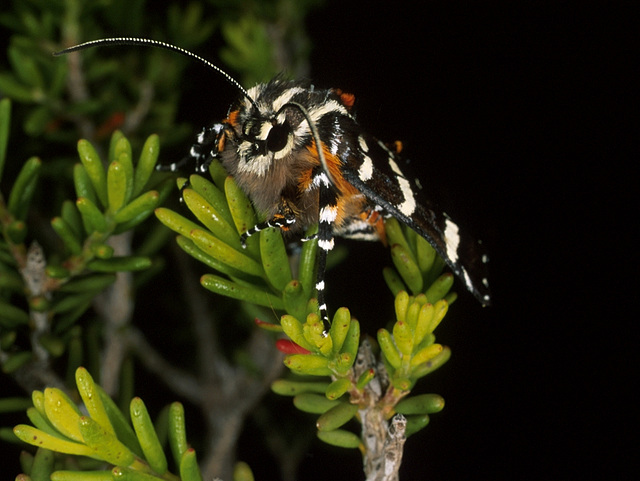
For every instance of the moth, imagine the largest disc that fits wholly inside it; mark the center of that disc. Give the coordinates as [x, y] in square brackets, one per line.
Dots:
[302, 158]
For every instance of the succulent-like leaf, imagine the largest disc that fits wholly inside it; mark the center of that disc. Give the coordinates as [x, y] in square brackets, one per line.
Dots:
[94, 170]
[23, 188]
[275, 261]
[337, 388]
[147, 436]
[337, 416]
[234, 290]
[420, 404]
[340, 438]
[177, 432]
[314, 403]
[286, 387]
[146, 164]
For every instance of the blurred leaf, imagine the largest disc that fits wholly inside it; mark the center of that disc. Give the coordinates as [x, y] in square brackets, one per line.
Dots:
[37, 121]
[14, 89]
[24, 65]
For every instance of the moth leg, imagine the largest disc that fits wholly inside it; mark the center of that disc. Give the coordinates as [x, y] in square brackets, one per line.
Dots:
[283, 220]
[209, 143]
[328, 212]
[325, 242]
[202, 152]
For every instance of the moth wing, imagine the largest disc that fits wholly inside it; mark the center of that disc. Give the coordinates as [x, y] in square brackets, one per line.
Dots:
[377, 174]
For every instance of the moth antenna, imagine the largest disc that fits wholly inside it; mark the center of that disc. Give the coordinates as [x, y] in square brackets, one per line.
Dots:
[315, 135]
[146, 42]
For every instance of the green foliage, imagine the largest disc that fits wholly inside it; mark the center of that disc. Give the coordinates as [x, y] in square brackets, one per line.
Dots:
[265, 38]
[95, 93]
[133, 452]
[65, 296]
[46, 294]
[52, 275]
[408, 350]
[90, 94]
[260, 274]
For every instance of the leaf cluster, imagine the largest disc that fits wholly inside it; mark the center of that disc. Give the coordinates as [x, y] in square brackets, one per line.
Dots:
[335, 373]
[260, 273]
[263, 39]
[93, 93]
[132, 451]
[45, 293]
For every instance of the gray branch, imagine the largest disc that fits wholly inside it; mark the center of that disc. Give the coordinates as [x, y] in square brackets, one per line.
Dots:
[383, 440]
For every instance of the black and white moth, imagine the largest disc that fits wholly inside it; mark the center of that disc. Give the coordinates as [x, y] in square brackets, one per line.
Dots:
[302, 158]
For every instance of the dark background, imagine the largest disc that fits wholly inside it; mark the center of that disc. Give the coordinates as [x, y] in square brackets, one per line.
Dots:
[522, 122]
[523, 118]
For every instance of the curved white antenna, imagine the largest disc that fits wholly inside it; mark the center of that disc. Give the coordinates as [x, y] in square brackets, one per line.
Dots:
[146, 42]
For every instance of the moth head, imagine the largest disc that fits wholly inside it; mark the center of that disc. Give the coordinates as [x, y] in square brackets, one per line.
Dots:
[266, 131]
[269, 137]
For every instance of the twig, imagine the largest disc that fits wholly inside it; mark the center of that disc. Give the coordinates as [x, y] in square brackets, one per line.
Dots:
[227, 405]
[383, 441]
[136, 116]
[37, 373]
[34, 276]
[115, 307]
[177, 380]
[78, 91]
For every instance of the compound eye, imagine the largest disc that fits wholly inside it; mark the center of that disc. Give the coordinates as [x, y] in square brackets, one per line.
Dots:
[278, 137]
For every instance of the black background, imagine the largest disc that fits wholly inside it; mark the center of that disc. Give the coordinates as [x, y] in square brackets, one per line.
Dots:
[522, 120]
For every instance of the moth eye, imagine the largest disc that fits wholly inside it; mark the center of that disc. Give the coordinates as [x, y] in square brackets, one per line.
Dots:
[278, 136]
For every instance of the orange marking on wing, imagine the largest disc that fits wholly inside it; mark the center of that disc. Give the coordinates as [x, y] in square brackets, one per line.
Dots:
[333, 164]
[221, 140]
[232, 118]
[350, 201]
[347, 99]
[377, 221]
[305, 180]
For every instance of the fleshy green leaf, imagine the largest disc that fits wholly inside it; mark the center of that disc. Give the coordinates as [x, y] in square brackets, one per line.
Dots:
[407, 267]
[189, 470]
[92, 400]
[313, 403]
[286, 387]
[23, 188]
[421, 404]
[62, 413]
[147, 436]
[146, 164]
[340, 438]
[103, 443]
[274, 258]
[31, 435]
[94, 169]
[236, 291]
[214, 221]
[116, 186]
[116, 264]
[177, 431]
